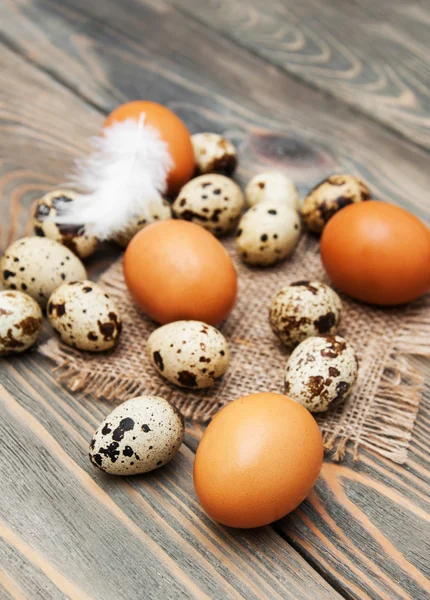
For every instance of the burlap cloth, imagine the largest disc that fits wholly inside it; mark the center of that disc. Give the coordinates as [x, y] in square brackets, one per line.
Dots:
[379, 414]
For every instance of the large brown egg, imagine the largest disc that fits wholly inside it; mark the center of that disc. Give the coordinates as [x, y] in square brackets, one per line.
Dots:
[176, 270]
[171, 129]
[258, 459]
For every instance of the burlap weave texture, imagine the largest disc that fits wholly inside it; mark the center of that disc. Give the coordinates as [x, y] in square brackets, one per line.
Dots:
[379, 414]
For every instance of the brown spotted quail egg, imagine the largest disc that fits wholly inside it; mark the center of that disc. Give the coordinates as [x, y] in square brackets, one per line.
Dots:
[272, 186]
[330, 196]
[213, 201]
[38, 265]
[140, 435]
[321, 372]
[20, 322]
[74, 237]
[303, 309]
[214, 154]
[158, 211]
[84, 316]
[267, 233]
[190, 354]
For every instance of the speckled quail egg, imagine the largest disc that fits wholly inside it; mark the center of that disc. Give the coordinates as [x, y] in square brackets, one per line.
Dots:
[272, 186]
[38, 265]
[20, 322]
[267, 233]
[140, 435]
[330, 196]
[213, 201]
[303, 309]
[74, 237]
[157, 211]
[214, 154]
[84, 316]
[190, 354]
[321, 372]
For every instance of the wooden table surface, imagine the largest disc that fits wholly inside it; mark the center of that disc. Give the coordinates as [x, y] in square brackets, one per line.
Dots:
[312, 86]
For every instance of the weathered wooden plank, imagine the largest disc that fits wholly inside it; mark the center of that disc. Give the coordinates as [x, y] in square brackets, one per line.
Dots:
[68, 530]
[131, 67]
[150, 50]
[372, 55]
[145, 534]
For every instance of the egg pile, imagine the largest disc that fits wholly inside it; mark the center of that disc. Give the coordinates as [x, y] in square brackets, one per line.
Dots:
[252, 466]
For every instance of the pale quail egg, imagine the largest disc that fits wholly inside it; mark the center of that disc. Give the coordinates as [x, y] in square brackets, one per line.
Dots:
[190, 354]
[74, 237]
[140, 435]
[157, 211]
[38, 265]
[84, 316]
[329, 196]
[213, 201]
[303, 309]
[272, 186]
[20, 322]
[214, 154]
[321, 371]
[267, 233]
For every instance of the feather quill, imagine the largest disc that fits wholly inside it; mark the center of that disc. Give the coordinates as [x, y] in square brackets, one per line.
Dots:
[124, 175]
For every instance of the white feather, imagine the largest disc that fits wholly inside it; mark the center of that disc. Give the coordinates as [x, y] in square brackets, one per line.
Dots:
[123, 176]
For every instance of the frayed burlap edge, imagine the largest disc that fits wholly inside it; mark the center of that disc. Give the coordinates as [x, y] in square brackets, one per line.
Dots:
[387, 430]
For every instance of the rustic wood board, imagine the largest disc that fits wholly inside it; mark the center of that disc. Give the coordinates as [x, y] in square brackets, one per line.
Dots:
[363, 532]
[372, 55]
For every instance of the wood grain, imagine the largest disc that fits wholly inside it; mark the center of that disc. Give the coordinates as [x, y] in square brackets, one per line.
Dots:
[365, 527]
[147, 533]
[372, 55]
[70, 531]
[213, 85]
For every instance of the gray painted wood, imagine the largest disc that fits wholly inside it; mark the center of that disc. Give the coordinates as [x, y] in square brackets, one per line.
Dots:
[363, 529]
[372, 55]
[72, 531]
[110, 55]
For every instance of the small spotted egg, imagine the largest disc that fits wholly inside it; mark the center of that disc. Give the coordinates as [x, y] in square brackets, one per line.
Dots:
[190, 354]
[272, 186]
[20, 322]
[38, 265]
[157, 211]
[213, 201]
[267, 233]
[329, 196]
[214, 154]
[84, 316]
[321, 372]
[303, 309]
[74, 237]
[140, 435]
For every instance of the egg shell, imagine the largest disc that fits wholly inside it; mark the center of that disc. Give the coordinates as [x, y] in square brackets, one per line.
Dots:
[84, 316]
[177, 270]
[38, 265]
[190, 354]
[213, 153]
[378, 253]
[20, 322]
[74, 237]
[272, 186]
[213, 201]
[258, 459]
[329, 196]
[157, 212]
[140, 435]
[267, 233]
[171, 130]
[321, 371]
[303, 309]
